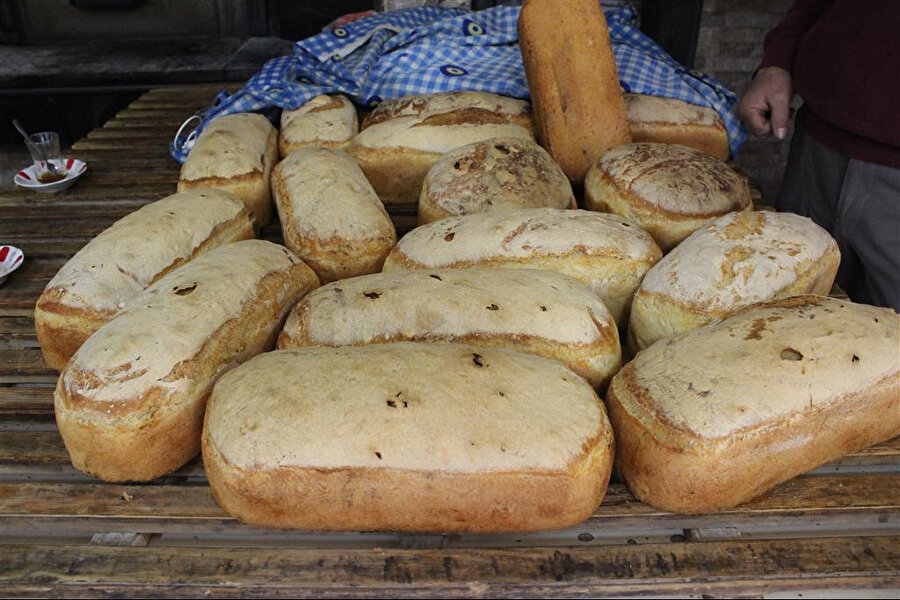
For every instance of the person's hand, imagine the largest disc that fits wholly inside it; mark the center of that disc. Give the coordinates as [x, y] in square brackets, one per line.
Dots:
[765, 107]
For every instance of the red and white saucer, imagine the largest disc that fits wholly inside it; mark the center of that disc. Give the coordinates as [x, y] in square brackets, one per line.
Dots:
[10, 259]
[27, 178]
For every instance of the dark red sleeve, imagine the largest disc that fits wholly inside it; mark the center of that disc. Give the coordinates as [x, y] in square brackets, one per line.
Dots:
[780, 45]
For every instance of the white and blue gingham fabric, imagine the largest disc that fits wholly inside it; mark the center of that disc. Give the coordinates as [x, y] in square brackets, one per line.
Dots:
[432, 49]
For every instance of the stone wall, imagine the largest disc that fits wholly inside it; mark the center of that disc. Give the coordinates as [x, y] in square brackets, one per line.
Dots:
[729, 48]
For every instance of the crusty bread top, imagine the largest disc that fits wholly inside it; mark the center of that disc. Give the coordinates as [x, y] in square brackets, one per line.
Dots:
[125, 258]
[454, 302]
[739, 259]
[653, 109]
[438, 133]
[513, 109]
[495, 173]
[524, 233]
[230, 146]
[765, 363]
[418, 406]
[329, 195]
[169, 323]
[676, 179]
[324, 119]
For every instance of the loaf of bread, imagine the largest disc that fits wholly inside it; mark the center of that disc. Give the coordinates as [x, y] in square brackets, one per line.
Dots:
[512, 109]
[235, 153]
[605, 252]
[124, 259]
[671, 121]
[669, 190]
[130, 403]
[330, 215]
[534, 311]
[444, 438]
[716, 416]
[579, 112]
[737, 260]
[323, 122]
[494, 174]
[396, 154]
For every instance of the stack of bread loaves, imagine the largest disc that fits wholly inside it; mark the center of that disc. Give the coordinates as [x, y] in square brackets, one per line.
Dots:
[456, 390]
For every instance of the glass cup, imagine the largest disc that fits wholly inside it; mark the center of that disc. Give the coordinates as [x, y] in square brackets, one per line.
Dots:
[44, 148]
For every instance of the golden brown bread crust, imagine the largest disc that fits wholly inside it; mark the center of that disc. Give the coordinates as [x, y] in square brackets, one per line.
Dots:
[668, 190]
[579, 110]
[491, 175]
[306, 127]
[252, 188]
[723, 475]
[367, 499]
[513, 110]
[671, 121]
[62, 329]
[703, 442]
[395, 173]
[711, 140]
[146, 436]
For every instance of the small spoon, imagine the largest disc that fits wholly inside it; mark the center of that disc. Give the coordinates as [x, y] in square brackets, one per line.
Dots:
[50, 166]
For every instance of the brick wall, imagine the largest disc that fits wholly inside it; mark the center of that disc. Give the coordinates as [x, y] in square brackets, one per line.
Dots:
[729, 48]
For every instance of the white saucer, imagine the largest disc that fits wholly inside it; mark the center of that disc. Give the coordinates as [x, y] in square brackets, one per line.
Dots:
[27, 178]
[11, 258]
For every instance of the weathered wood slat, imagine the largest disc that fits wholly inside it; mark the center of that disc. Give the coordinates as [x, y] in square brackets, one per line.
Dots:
[17, 332]
[151, 148]
[750, 568]
[25, 365]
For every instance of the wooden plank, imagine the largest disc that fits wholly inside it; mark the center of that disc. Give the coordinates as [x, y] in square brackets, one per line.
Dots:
[25, 403]
[822, 503]
[750, 568]
[155, 147]
[144, 132]
[25, 365]
[17, 332]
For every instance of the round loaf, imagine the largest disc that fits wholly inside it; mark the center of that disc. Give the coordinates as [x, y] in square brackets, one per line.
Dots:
[443, 438]
[606, 252]
[534, 311]
[396, 154]
[713, 417]
[235, 153]
[672, 121]
[737, 260]
[330, 215]
[667, 189]
[490, 175]
[114, 267]
[324, 122]
[130, 403]
[418, 105]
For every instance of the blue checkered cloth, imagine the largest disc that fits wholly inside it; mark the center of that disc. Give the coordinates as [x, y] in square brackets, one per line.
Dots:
[432, 49]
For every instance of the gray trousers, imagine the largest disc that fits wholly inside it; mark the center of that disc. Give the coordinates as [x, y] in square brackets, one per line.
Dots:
[859, 204]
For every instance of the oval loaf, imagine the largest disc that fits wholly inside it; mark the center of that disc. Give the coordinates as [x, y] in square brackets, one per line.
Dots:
[128, 256]
[603, 251]
[737, 260]
[407, 437]
[130, 403]
[534, 311]
[668, 189]
[672, 121]
[718, 415]
[491, 175]
[396, 154]
[323, 122]
[330, 215]
[512, 109]
[235, 153]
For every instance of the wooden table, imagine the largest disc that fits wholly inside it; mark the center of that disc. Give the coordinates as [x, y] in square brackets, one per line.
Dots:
[65, 534]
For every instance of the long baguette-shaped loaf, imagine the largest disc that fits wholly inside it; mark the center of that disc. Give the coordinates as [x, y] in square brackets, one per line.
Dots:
[130, 403]
[737, 260]
[716, 416]
[330, 215]
[604, 251]
[534, 311]
[235, 153]
[579, 112]
[323, 122]
[407, 437]
[94, 285]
